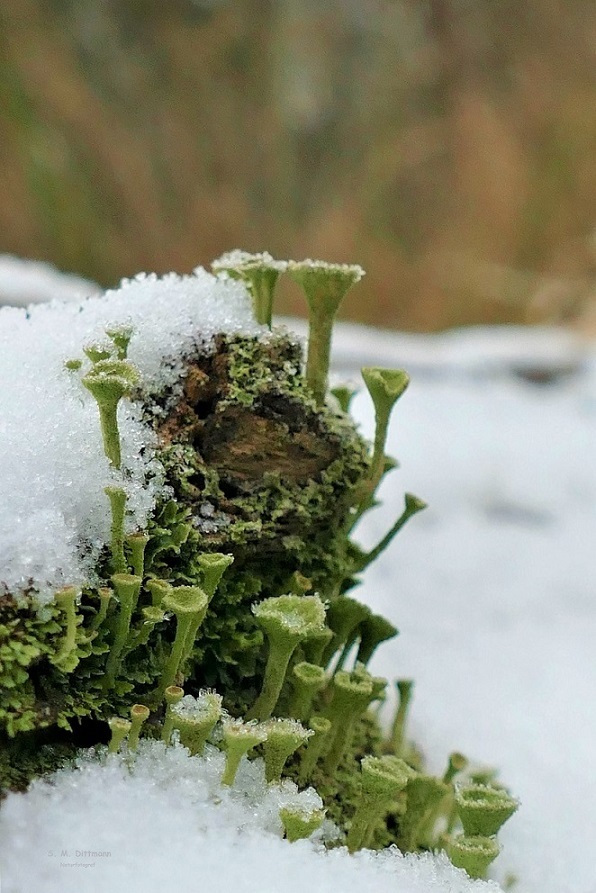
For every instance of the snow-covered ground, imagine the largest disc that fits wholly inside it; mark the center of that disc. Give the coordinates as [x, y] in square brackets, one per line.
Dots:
[492, 589]
[24, 282]
[493, 586]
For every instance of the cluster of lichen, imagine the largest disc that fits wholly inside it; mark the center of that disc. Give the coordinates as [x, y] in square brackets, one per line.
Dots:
[239, 585]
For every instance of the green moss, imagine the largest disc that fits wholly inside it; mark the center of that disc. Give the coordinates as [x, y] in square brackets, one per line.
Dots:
[24, 758]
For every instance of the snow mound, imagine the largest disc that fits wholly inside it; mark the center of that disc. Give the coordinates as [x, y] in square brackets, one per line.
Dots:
[161, 821]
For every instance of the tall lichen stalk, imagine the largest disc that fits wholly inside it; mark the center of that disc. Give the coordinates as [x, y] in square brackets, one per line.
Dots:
[228, 620]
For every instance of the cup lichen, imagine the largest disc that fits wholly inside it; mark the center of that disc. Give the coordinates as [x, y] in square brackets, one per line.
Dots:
[189, 604]
[325, 286]
[238, 587]
[286, 620]
[239, 738]
[382, 780]
[298, 823]
[194, 719]
[483, 809]
[109, 381]
[307, 680]
[283, 738]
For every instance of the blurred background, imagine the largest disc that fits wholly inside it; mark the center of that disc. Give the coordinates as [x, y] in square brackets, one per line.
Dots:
[448, 146]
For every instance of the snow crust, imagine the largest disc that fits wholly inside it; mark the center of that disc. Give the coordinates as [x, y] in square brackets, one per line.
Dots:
[161, 821]
[54, 517]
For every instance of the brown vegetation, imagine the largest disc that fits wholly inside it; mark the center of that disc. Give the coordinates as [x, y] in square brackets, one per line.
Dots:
[448, 147]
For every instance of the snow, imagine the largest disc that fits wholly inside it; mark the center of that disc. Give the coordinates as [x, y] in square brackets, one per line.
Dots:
[25, 282]
[163, 822]
[491, 587]
[198, 708]
[238, 261]
[51, 453]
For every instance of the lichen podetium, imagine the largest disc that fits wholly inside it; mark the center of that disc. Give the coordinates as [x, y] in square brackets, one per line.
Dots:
[227, 618]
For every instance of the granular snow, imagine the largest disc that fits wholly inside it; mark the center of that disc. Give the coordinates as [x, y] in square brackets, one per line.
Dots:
[54, 517]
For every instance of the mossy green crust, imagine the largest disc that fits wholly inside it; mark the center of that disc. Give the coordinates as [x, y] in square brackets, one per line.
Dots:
[34, 684]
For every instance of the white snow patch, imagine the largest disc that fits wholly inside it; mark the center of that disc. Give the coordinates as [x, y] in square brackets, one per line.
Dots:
[481, 351]
[24, 282]
[54, 516]
[492, 587]
[197, 708]
[161, 821]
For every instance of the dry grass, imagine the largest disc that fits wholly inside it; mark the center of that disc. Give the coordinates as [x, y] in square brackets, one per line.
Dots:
[451, 153]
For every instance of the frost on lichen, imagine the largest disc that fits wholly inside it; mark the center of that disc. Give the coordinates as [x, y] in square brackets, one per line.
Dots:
[236, 586]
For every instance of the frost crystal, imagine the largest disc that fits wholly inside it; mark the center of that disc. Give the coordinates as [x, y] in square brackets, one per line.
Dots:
[240, 261]
[196, 708]
[349, 271]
